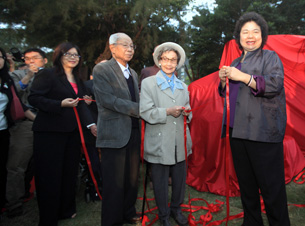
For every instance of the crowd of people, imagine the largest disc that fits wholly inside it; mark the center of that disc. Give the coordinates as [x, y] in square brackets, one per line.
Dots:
[49, 144]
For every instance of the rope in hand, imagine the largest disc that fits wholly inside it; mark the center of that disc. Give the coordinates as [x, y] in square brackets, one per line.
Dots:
[227, 155]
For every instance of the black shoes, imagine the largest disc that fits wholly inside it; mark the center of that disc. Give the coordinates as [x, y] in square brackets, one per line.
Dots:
[134, 220]
[179, 218]
[165, 222]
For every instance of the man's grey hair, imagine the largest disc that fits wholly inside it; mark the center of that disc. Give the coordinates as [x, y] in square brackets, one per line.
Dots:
[115, 37]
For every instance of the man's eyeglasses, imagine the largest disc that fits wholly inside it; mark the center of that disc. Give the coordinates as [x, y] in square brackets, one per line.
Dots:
[32, 58]
[126, 46]
[72, 55]
[166, 60]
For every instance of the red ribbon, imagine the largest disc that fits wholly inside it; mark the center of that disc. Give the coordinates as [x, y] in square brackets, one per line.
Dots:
[211, 208]
[85, 149]
[185, 135]
[300, 175]
[142, 139]
[227, 150]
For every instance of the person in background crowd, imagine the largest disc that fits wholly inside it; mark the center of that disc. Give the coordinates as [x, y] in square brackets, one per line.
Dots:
[21, 146]
[117, 96]
[257, 122]
[22, 66]
[11, 62]
[55, 92]
[163, 104]
[6, 121]
[148, 71]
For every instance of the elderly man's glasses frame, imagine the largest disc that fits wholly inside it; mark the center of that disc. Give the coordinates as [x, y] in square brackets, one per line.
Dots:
[126, 46]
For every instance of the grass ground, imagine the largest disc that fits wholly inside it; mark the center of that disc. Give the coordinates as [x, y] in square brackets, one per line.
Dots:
[89, 214]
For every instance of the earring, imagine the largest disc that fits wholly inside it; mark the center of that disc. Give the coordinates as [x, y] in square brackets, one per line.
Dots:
[159, 65]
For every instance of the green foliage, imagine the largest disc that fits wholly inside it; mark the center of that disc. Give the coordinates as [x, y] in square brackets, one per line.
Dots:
[10, 38]
[90, 23]
[210, 30]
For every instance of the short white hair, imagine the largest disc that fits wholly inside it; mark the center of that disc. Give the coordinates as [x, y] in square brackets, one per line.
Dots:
[115, 37]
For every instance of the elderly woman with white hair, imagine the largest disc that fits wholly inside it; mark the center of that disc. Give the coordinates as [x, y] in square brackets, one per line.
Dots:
[163, 104]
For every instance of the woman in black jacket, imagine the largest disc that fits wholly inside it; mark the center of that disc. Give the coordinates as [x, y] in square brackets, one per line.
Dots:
[55, 92]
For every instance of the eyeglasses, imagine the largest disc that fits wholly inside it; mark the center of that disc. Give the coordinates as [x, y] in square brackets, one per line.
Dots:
[32, 58]
[166, 60]
[3, 57]
[72, 55]
[126, 46]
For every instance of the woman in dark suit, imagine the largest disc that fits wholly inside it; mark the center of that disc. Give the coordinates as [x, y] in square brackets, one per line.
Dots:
[55, 92]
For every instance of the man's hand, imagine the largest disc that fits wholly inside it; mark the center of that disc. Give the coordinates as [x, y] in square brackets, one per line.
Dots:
[93, 129]
[87, 99]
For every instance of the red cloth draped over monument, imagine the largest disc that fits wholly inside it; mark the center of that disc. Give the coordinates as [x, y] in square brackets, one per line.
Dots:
[207, 163]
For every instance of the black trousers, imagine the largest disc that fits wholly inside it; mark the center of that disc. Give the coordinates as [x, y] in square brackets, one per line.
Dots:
[160, 174]
[56, 159]
[4, 141]
[259, 166]
[120, 169]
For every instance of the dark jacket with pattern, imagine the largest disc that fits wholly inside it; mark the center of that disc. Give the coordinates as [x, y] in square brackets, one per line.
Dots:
[261, 116]
[114, 103]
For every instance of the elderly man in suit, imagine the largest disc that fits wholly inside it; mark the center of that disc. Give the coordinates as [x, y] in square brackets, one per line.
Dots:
[117, 96]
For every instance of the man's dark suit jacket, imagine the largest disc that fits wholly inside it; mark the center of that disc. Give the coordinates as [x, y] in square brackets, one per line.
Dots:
[115, 106]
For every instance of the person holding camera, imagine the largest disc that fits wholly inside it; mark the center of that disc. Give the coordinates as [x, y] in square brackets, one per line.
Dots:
[21, 152]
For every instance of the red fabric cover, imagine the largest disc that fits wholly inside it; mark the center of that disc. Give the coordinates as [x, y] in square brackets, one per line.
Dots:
[207, 163]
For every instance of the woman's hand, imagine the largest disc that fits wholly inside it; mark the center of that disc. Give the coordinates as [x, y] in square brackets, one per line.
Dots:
[69, 102]
[234, 74]
[222, 76]
[186, 111]
[174, 111]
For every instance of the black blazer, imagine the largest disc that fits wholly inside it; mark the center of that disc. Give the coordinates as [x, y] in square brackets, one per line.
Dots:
[48, 90]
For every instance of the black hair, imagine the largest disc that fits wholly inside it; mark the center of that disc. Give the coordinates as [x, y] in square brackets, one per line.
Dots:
[4, 75]
[59, 52]
[258, 19]
[42, 53]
